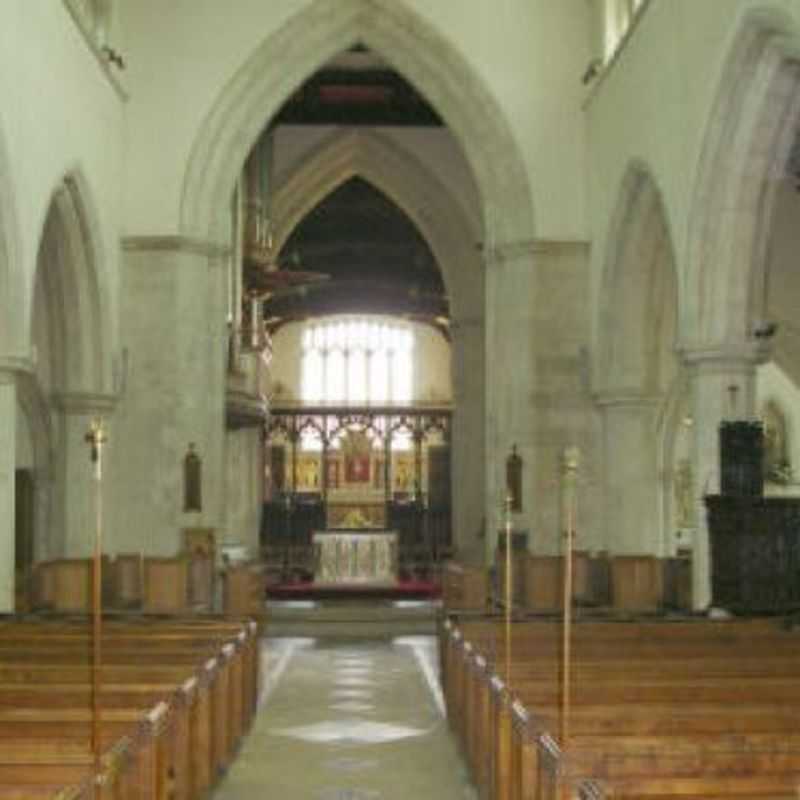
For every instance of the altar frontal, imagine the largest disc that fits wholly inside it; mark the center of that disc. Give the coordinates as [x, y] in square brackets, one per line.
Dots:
[364, 557]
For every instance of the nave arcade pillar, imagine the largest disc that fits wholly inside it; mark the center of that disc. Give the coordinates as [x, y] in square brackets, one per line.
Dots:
[468, 456]
[630, 474]
[174, 327]
[75, 520]
[723, 387]
[510, 382]
[8, 416]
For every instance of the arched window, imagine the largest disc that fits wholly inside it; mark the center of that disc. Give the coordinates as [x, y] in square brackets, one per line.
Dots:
[357, 361]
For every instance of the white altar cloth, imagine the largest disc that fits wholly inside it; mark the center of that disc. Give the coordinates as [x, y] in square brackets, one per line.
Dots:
[355, 557]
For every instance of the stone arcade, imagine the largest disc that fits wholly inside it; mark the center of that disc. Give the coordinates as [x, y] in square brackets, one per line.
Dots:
[583, 213]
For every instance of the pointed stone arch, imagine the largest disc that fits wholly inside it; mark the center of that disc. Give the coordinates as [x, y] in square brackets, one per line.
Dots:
[69, 317]
[636, 370]
[72, 283]
[749, 133]
[409, 184]
[445, 227]
[303, 44]
[638, 293]
[12, 275]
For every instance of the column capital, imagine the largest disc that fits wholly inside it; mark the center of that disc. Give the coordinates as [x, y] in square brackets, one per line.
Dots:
[507, 252]
[11, 366]
[626, 398]
[85, 403]
[725, 357]
[175, 243]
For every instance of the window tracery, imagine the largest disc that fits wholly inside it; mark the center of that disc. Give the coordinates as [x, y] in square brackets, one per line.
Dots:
[357, 361]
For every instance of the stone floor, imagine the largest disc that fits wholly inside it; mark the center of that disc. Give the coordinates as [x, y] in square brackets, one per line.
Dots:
[349, 720]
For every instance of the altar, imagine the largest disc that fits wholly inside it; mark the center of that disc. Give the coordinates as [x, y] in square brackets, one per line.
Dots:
[356, 556]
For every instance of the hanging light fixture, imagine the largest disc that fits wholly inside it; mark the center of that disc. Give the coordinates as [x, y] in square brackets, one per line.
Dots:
[263, 275]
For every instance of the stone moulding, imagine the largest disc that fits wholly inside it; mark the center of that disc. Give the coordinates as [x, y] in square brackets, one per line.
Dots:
[175, 243]
[85, 402]
[509, 251]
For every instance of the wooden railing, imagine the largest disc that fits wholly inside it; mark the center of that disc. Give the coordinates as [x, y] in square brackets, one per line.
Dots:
[510, 754]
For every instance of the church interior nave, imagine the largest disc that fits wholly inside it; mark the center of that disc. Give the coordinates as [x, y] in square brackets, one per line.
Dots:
[336, 331]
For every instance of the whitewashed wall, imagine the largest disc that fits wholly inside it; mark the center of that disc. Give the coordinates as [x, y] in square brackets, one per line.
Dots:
[508, 46]
[59, 114]
[653, 106]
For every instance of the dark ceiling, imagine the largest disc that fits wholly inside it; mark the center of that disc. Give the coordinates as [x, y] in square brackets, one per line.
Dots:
[357, 233]
[357, 88]
[376, 258]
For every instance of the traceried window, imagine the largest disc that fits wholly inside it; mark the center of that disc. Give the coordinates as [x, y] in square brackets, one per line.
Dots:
[357, 361]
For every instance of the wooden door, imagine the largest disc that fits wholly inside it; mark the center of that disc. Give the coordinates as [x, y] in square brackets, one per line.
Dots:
[24, 532]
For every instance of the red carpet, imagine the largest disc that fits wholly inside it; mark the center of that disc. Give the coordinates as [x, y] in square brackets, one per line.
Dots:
[402, 590]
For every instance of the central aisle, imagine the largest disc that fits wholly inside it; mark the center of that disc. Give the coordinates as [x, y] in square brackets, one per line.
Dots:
[349, 720]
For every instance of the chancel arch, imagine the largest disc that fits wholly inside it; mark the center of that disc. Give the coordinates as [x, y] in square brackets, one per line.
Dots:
[404, 179]
[267, 79]
[447, 230]
[311, 38]
[636, 369]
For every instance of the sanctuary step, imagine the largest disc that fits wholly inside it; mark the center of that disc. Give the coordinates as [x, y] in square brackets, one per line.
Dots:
[368, 619]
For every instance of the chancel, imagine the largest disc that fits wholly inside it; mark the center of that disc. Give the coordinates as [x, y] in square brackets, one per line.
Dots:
[348, 285]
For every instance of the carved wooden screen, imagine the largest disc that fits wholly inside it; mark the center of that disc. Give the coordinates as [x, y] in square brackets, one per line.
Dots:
[439, 476]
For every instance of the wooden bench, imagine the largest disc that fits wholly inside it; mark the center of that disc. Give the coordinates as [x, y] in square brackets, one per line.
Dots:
[634, 726]
[197, 705]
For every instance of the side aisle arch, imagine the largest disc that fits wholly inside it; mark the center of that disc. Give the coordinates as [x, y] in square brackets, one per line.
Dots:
[637, 369]
[638, 292]
[749, 134]
[72, 282]
[12, 274]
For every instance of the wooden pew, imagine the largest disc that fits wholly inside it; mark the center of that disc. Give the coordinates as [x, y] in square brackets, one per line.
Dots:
[244, 632]
[624, 727]
[54, 768]
[206, 716]
[204, 712]
[245, 639]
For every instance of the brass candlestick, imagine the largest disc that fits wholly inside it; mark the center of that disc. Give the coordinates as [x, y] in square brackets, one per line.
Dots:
[571, 461]
[96, 439]
[509, 584]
